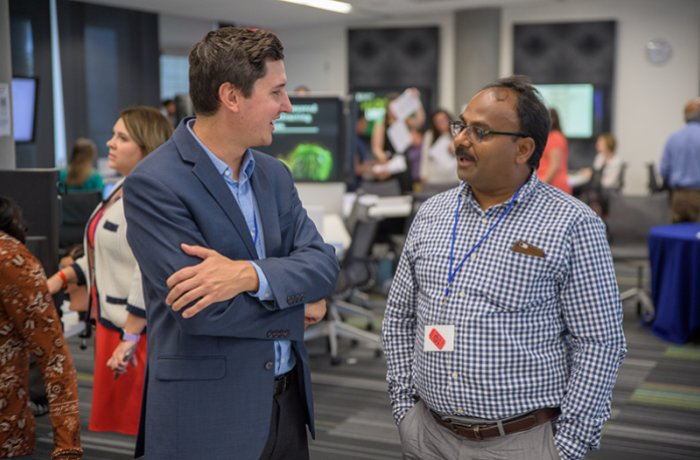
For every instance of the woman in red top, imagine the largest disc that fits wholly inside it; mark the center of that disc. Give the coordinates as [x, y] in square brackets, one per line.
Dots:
[113, 282]
[554, 162]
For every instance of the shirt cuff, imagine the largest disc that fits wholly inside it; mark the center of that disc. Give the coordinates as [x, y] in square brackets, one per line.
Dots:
[569, 449]
[263, 292]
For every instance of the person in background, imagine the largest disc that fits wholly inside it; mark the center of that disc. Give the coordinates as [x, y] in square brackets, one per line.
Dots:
[362, 160]
[680, 166]
[438, 164]
[554, 163]
[603, 176]
[302, 90]
[112, 278]
[80, 174]
[169, 110]
[29, 325]
[382, 148]
[503, 327]
[414, 155]
[233, 267]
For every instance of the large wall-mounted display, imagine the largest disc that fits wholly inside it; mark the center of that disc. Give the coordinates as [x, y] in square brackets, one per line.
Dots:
[310, 139]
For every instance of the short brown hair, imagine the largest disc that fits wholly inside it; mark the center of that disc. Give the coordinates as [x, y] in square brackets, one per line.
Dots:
[229, 55]
[147, 127]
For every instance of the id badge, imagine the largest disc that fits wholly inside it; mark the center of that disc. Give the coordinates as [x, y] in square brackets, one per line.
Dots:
[439, 338]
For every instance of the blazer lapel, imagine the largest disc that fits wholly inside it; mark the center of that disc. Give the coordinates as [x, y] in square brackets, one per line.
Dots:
[263, 188]
[204, 170]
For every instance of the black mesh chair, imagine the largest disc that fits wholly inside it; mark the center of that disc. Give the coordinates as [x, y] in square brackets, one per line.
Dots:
[356, 273]
[629, 222]
[76, 209]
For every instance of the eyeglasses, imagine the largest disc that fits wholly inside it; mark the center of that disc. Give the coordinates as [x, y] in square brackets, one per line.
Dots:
[476, 133]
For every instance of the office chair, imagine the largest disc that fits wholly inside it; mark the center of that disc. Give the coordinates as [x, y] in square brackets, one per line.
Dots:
[629, 221]
[76, 209]
[654, 183]
[356, 272]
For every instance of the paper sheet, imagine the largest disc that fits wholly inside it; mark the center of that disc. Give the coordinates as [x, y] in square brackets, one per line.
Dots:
[406, 104]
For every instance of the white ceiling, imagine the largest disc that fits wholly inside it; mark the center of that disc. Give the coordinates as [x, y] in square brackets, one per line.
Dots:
[274, 14]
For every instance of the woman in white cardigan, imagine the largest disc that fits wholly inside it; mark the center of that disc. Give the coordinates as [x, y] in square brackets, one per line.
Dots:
[438, 164]
[109, 272]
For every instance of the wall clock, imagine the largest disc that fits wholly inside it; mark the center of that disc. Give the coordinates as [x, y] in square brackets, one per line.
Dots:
[658, 51]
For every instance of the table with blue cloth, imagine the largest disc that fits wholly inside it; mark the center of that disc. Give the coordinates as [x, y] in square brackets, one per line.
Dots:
[674, 254]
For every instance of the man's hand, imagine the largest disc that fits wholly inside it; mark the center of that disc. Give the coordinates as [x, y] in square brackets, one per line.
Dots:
[215, 279]
[314, 312]
[122, 356]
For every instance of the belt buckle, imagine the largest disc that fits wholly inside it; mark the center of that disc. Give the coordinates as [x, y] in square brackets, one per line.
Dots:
[477, 433]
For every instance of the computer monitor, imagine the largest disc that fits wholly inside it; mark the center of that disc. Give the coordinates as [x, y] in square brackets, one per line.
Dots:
[24, 103]
[310, 140]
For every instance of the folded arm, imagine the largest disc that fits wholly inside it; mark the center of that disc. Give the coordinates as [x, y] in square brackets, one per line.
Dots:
[160, 221]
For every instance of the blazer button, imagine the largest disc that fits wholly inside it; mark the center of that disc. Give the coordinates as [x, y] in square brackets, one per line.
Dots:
[269, 365]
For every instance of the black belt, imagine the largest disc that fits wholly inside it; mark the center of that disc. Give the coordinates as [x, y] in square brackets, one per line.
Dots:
[282, 382]
[479, 431]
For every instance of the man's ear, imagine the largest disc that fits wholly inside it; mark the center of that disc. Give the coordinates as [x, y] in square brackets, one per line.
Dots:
[230, 97]
[526, 147]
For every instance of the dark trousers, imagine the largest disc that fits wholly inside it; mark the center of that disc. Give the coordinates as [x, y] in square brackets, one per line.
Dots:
[287, 438]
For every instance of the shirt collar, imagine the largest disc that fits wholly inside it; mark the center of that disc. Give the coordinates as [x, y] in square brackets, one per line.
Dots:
[247, 165]
[530, 185]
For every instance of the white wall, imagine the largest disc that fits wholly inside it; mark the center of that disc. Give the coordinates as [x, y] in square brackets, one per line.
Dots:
[177, 34]
[649, 99]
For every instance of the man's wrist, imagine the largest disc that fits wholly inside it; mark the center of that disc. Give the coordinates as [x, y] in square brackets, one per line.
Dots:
[128, 337]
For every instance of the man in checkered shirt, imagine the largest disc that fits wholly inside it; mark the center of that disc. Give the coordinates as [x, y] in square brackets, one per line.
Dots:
[503, 329]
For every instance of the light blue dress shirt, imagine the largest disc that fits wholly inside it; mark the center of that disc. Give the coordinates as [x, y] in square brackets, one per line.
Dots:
[243, 194]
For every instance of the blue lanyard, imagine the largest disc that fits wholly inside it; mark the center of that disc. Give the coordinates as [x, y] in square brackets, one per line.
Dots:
[451, 274]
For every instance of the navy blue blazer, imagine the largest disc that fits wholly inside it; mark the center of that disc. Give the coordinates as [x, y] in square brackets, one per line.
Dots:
[209, 378]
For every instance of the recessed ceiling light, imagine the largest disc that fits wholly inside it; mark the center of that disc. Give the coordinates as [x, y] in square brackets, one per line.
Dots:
[329, 5]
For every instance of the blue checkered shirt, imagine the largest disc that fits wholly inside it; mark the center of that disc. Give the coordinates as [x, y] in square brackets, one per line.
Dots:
[530, 332]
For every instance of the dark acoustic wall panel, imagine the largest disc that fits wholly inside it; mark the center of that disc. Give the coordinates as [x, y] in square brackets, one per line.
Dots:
[393, 58]
[580, 52]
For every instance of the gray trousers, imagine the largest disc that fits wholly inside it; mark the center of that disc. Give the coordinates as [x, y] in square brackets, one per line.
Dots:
[423, 438]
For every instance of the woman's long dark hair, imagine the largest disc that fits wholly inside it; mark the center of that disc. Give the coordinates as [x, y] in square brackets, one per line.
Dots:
[11, 219]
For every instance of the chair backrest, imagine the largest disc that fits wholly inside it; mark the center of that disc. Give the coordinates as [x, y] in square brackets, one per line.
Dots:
[356, 267]
[76, 208]
[621, 177]
[631, 217]
[390, 187]
[654, 184]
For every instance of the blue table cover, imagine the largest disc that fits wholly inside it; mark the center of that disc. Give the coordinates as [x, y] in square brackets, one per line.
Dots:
[674, 253]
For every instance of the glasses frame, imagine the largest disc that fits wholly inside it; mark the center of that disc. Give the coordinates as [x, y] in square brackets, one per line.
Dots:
[480, 134]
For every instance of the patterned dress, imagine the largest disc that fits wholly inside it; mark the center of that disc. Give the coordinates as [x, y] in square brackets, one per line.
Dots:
[29, 323]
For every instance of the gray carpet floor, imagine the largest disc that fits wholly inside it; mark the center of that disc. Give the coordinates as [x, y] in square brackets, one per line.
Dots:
[656, 402]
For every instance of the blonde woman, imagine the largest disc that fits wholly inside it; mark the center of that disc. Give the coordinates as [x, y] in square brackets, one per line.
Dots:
[113, 281]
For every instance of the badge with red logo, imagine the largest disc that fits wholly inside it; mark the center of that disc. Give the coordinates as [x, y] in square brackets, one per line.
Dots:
[439, 338]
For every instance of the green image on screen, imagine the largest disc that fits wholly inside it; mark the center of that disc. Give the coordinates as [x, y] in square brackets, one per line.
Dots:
[309, 161]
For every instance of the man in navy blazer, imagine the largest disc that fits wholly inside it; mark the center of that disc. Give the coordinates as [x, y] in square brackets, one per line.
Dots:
[232, 267]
